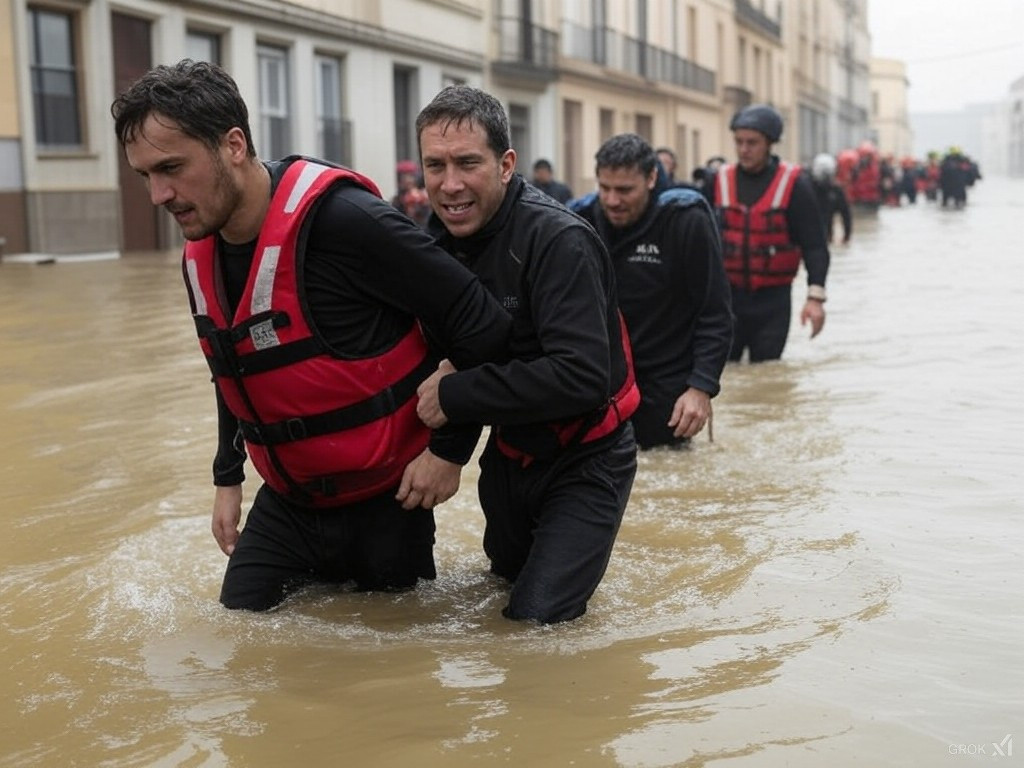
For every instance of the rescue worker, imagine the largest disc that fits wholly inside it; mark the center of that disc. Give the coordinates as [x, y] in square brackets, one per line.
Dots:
[411, 198]
[955, 176]
[770, 222]
[558, 466]
[866, 181]
[830, 197]
[306, 290]
[671, 284]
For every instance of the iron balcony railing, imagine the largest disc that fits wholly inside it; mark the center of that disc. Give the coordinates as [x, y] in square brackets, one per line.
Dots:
[851, 113]
[614, 50]
[522, 42]
[753, 17]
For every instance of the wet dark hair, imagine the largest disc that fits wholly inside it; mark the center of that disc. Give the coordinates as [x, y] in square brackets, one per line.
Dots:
[463, 104]
[627, 150]
[542, 163]
[200, 98]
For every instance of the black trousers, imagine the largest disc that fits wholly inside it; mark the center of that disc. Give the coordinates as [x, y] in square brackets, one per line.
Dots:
[284, 546]
[762, 322]
[551, 525]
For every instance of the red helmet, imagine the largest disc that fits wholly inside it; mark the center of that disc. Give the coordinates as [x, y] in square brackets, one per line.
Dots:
[407, 166]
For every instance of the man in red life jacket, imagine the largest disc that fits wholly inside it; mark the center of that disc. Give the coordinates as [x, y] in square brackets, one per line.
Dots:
[770, 222]
[560, 459]
[311, 296]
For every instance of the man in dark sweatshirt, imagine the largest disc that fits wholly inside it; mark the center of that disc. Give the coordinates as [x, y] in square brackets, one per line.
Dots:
[671, 284]
[559, 463]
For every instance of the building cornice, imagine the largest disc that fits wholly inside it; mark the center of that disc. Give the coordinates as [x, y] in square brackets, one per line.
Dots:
[313, 21]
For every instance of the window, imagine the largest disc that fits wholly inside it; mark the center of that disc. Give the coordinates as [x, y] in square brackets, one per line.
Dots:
[606, 119]
[644, 126]
[273, 74]
[572, 142]
[54, 79]
[332, 133]
[519, 129]
[202, 46]
[406, 146]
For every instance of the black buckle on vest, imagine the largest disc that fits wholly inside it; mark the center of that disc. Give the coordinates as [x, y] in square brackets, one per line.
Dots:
[296, 429]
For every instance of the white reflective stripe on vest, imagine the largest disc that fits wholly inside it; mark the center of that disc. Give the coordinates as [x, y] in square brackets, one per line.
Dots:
[780, 192]
[263, 287]
[723, 186]
[197, 291]
[309, 174]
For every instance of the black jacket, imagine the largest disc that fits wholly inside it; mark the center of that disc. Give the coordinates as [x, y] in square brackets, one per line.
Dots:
[550, 270]
[675, 297]
[367, 272]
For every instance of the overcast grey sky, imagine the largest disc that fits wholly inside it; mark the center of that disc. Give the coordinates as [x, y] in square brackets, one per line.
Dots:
[957, 52]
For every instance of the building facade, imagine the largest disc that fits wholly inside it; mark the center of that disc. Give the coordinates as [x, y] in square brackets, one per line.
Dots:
[344, 85]
[344, 80]
[890, 123]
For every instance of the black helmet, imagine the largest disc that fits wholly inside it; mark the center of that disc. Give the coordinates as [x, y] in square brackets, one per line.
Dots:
[761, 118]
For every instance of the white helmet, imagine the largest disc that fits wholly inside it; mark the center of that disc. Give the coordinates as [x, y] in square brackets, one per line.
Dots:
[823, 166]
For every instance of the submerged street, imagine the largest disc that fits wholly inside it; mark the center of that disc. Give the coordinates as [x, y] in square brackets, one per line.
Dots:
[835, 580]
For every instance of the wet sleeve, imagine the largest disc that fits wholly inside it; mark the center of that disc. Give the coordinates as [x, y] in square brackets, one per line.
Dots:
[228, 464]
[708, 290]
[564, 371]
[399, 264]
[805, 229]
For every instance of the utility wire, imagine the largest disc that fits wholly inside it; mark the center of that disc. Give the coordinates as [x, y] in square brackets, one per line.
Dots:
[967, 54]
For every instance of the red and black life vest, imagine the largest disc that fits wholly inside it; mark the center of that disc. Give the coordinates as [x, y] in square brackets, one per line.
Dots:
[321, 429]
[604, 421]
[756, 246]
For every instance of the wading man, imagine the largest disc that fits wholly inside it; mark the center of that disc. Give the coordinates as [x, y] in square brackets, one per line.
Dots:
[309, 293]
[671, 285]
[769, 221]
[560, 459]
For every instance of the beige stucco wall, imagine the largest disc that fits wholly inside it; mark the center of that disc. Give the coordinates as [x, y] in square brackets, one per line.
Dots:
[889, 119]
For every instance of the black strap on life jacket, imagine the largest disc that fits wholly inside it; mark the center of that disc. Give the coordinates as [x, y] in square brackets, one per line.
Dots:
[365, 411]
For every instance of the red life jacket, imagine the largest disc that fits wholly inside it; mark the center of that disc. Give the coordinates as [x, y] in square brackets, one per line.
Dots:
[867, 183]
[604, 421]
[756, 247]
[321, 429]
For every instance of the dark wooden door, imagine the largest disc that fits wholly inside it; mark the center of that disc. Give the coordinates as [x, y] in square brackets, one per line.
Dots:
[133, 56]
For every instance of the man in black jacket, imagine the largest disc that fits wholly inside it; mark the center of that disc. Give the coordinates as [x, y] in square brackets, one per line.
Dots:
[308, 293]
[769, 221]
[560, 459]
[671, 284]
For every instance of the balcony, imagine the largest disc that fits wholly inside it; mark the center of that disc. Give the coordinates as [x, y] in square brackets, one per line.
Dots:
[736, 97]
[614, 50]
[526, 51]
[810, 90]
[851, 113]
[759, 21]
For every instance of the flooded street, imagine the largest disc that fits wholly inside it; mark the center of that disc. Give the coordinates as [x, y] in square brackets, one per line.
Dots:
[834, 581]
